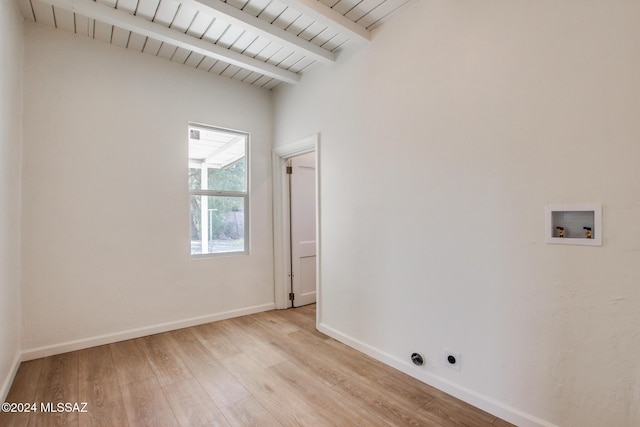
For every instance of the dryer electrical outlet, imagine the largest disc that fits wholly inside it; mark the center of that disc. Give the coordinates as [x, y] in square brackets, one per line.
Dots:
[451, 359]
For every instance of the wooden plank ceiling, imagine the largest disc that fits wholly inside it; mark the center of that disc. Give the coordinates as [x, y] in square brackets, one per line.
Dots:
[260, 42]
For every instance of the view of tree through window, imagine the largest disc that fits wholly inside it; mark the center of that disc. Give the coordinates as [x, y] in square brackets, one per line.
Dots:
[218, 187]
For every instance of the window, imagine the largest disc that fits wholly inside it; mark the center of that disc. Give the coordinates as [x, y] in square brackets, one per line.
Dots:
[219, 192]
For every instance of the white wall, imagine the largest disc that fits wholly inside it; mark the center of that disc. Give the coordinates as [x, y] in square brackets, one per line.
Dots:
[11, 54]
[105, 217]
[441, 143]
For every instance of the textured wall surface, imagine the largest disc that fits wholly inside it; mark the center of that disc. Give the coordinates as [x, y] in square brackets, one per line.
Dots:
[441, 144]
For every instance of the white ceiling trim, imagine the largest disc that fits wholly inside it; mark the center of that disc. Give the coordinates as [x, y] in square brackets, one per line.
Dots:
[323, 13]
[259, 27]
[159, 32]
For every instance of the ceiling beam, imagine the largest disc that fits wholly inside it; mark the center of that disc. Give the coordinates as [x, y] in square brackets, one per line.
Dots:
[260, 27]
[324, 14]
[159, 32]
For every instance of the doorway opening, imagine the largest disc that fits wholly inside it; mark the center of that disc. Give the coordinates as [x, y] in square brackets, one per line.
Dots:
[301, 173]
[296, 223]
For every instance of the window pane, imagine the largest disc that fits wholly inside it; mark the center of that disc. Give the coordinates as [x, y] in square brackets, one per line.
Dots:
[230, 178]
[220, 156]
[217, 224]
[195, 178]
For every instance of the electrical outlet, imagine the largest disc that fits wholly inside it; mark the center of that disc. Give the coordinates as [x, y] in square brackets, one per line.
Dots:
[452, 359]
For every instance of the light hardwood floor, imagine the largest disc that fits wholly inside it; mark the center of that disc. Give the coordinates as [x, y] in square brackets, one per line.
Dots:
[267, 369]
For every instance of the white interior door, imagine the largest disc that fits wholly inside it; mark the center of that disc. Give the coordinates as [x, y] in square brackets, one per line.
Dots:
[303, 229]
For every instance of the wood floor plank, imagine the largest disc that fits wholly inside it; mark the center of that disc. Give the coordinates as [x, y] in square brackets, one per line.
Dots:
[353, 361]
[24, 384]
[58, 383]
[214, 337]
[274, 394]
[256, 348]
[192, 406]
[354, 357]
[501, 423]
[305, 356]
[130, 361]
[220, 385]
[308, 310]
[319, 395]
[463, 415]
[382, 404]
[301, 320]
[99, 388]
[249, 412]
[442, 420]
[242, 320]
[275, 323]
[23, 390]
[146, 404]
[165, 360]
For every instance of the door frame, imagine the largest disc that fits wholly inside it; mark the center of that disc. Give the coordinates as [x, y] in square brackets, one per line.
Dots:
[282, 219]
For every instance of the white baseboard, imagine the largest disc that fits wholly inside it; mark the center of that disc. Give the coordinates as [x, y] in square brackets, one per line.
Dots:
[4, 391]
[478, 400]
[81, 344]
